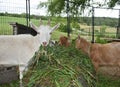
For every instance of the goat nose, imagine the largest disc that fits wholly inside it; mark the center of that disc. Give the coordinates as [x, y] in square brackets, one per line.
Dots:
[44, 43]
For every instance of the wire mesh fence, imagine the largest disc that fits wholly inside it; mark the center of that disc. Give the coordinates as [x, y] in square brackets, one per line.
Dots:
[12, 11]
[105, 22]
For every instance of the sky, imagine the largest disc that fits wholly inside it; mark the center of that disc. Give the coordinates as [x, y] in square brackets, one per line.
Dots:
[18, 6]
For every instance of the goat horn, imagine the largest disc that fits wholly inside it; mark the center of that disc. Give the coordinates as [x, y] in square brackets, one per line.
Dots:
[78, 36]
[48, 22]
[41, 22]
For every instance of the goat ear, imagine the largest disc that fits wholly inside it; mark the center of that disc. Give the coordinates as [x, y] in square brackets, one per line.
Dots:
[41, 22]
[33, 26]
[55, 27]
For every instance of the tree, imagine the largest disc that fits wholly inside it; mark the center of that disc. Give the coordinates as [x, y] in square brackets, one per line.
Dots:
[57, 7]
[112, 3]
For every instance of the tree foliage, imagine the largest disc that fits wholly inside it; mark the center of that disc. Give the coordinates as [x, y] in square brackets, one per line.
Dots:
[59, 6]
[112, 3]
[76, 7]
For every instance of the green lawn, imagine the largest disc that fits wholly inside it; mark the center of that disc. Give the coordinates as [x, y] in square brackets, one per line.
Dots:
[5, 27]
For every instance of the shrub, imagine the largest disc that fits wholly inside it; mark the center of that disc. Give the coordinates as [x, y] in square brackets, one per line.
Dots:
[98, 40]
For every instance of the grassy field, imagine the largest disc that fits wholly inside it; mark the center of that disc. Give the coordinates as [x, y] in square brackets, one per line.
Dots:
[6, 28]
[61, 66]
[108, 29]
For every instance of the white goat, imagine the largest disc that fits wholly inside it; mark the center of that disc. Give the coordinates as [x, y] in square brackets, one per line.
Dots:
[19, 49]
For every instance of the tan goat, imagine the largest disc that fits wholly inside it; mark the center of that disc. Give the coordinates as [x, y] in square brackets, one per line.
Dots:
[101, 54]
[64, 41]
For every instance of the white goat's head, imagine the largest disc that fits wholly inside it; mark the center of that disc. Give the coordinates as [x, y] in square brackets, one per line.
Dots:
[44, 31]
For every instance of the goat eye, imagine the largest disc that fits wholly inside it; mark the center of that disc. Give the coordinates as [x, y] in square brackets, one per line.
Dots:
[50, 33]
[38, 32]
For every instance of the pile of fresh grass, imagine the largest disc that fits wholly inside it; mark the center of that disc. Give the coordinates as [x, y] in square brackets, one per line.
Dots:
[60, 67]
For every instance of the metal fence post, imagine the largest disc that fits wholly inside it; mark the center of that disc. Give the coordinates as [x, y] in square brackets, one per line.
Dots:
[118, 27]
[92, 24]
[68, 19]
[27, 12]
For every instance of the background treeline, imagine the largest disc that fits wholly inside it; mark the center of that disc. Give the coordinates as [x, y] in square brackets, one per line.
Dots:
[113, 22]
[23, 15]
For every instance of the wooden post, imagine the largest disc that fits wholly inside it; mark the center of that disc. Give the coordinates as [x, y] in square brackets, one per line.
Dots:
[14, 28]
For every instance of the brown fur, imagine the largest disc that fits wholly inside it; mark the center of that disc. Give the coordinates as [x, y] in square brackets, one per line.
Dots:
[101, 54]
[64, 41]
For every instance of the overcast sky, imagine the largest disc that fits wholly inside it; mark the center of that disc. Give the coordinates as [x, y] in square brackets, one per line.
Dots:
[18, 6]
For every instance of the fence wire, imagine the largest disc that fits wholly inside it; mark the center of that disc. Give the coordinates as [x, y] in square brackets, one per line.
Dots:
[11, 11]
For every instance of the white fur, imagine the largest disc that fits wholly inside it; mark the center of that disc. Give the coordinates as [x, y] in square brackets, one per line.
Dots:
[19, 49]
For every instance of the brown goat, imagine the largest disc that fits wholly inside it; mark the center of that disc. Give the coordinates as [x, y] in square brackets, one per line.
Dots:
[64, 41]
[101, 54]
